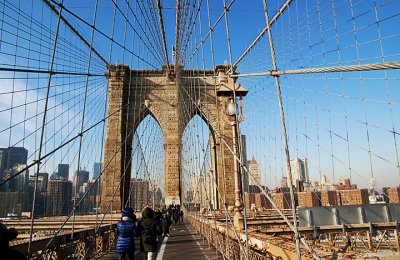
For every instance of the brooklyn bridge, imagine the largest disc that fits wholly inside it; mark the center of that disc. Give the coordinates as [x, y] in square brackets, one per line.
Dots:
[268, 129]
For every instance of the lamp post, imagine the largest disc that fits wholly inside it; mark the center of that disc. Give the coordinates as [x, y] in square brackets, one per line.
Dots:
[237, 217]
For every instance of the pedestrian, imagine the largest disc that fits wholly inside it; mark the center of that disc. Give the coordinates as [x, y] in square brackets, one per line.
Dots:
[149, 229]
[166, 223]
[175, 215]
[158, 216]
[181, 216]
[7, 235]
[126, 231]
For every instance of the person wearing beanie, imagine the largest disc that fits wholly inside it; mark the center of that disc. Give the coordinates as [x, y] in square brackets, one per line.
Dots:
[126, 231]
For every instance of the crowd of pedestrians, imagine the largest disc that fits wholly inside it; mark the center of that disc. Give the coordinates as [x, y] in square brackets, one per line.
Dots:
[151, 227]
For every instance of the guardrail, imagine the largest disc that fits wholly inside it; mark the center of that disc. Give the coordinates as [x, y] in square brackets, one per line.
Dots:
[84, 245]
[225, 241]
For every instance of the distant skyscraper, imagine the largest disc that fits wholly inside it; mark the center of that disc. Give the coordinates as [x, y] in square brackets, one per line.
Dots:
[96, 169]
[80, 178]
[3, 160]
[89, 204]
[43, 179]
[254, 170]
[21, 182]
[59, 197]
[299, 169]
[11, 156]
[63, 171]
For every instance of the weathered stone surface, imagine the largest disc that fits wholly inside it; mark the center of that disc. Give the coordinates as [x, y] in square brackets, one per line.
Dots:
[134, 94]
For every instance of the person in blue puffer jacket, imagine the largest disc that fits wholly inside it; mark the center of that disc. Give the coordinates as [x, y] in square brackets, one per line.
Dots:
[126, 231]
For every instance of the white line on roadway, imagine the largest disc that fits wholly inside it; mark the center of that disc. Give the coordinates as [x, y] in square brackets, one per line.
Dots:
[162, 249]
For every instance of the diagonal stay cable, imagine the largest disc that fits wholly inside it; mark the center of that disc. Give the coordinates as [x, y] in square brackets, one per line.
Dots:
[43, 129]
[133, 28]
[210, 30]
[72, 28]
[163, 35]
[111, 39]
[177, 35]
[38, 161]
[261, 34]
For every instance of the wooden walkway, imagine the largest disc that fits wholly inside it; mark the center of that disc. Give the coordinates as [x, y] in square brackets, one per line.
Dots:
[183, 243]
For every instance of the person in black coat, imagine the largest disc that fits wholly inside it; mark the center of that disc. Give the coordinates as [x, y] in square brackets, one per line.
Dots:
[149, 228]
[126, 230]
[6, 235]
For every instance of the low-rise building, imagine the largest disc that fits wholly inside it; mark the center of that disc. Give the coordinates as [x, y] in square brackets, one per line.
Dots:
[249, 199]
[282, 200]
[309, 199]
[329, 198]
[262, 202]
[394, 195]
[354, 197]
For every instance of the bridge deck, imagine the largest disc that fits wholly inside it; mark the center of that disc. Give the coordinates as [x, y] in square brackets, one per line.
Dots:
[183, 243]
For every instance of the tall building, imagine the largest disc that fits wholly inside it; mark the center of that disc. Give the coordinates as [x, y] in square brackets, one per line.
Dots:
[88, 205]
[97, 167]
[80, 177]
[299, 169]
[3, 155]
[63, 171]
[10, 157]
[58, 199]
[254, 171]
[21, 182]
[43, 178]
[139, 194]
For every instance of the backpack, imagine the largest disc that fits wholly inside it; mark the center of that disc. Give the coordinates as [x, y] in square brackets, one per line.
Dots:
[148, 235]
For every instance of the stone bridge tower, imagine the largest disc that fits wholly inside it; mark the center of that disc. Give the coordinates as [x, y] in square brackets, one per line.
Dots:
[172, 101]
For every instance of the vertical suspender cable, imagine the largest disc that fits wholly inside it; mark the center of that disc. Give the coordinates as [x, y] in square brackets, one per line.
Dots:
[284, 134]
[83, 114]
[43, 126]
[177, 35]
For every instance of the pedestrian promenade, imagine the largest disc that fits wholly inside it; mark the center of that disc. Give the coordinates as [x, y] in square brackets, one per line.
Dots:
[183, 243]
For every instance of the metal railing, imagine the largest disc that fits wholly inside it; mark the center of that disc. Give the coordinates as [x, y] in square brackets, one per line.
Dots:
[84, 245]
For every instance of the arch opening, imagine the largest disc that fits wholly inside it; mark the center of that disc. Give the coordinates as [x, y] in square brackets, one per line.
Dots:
[198, 171]
[147, 159]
